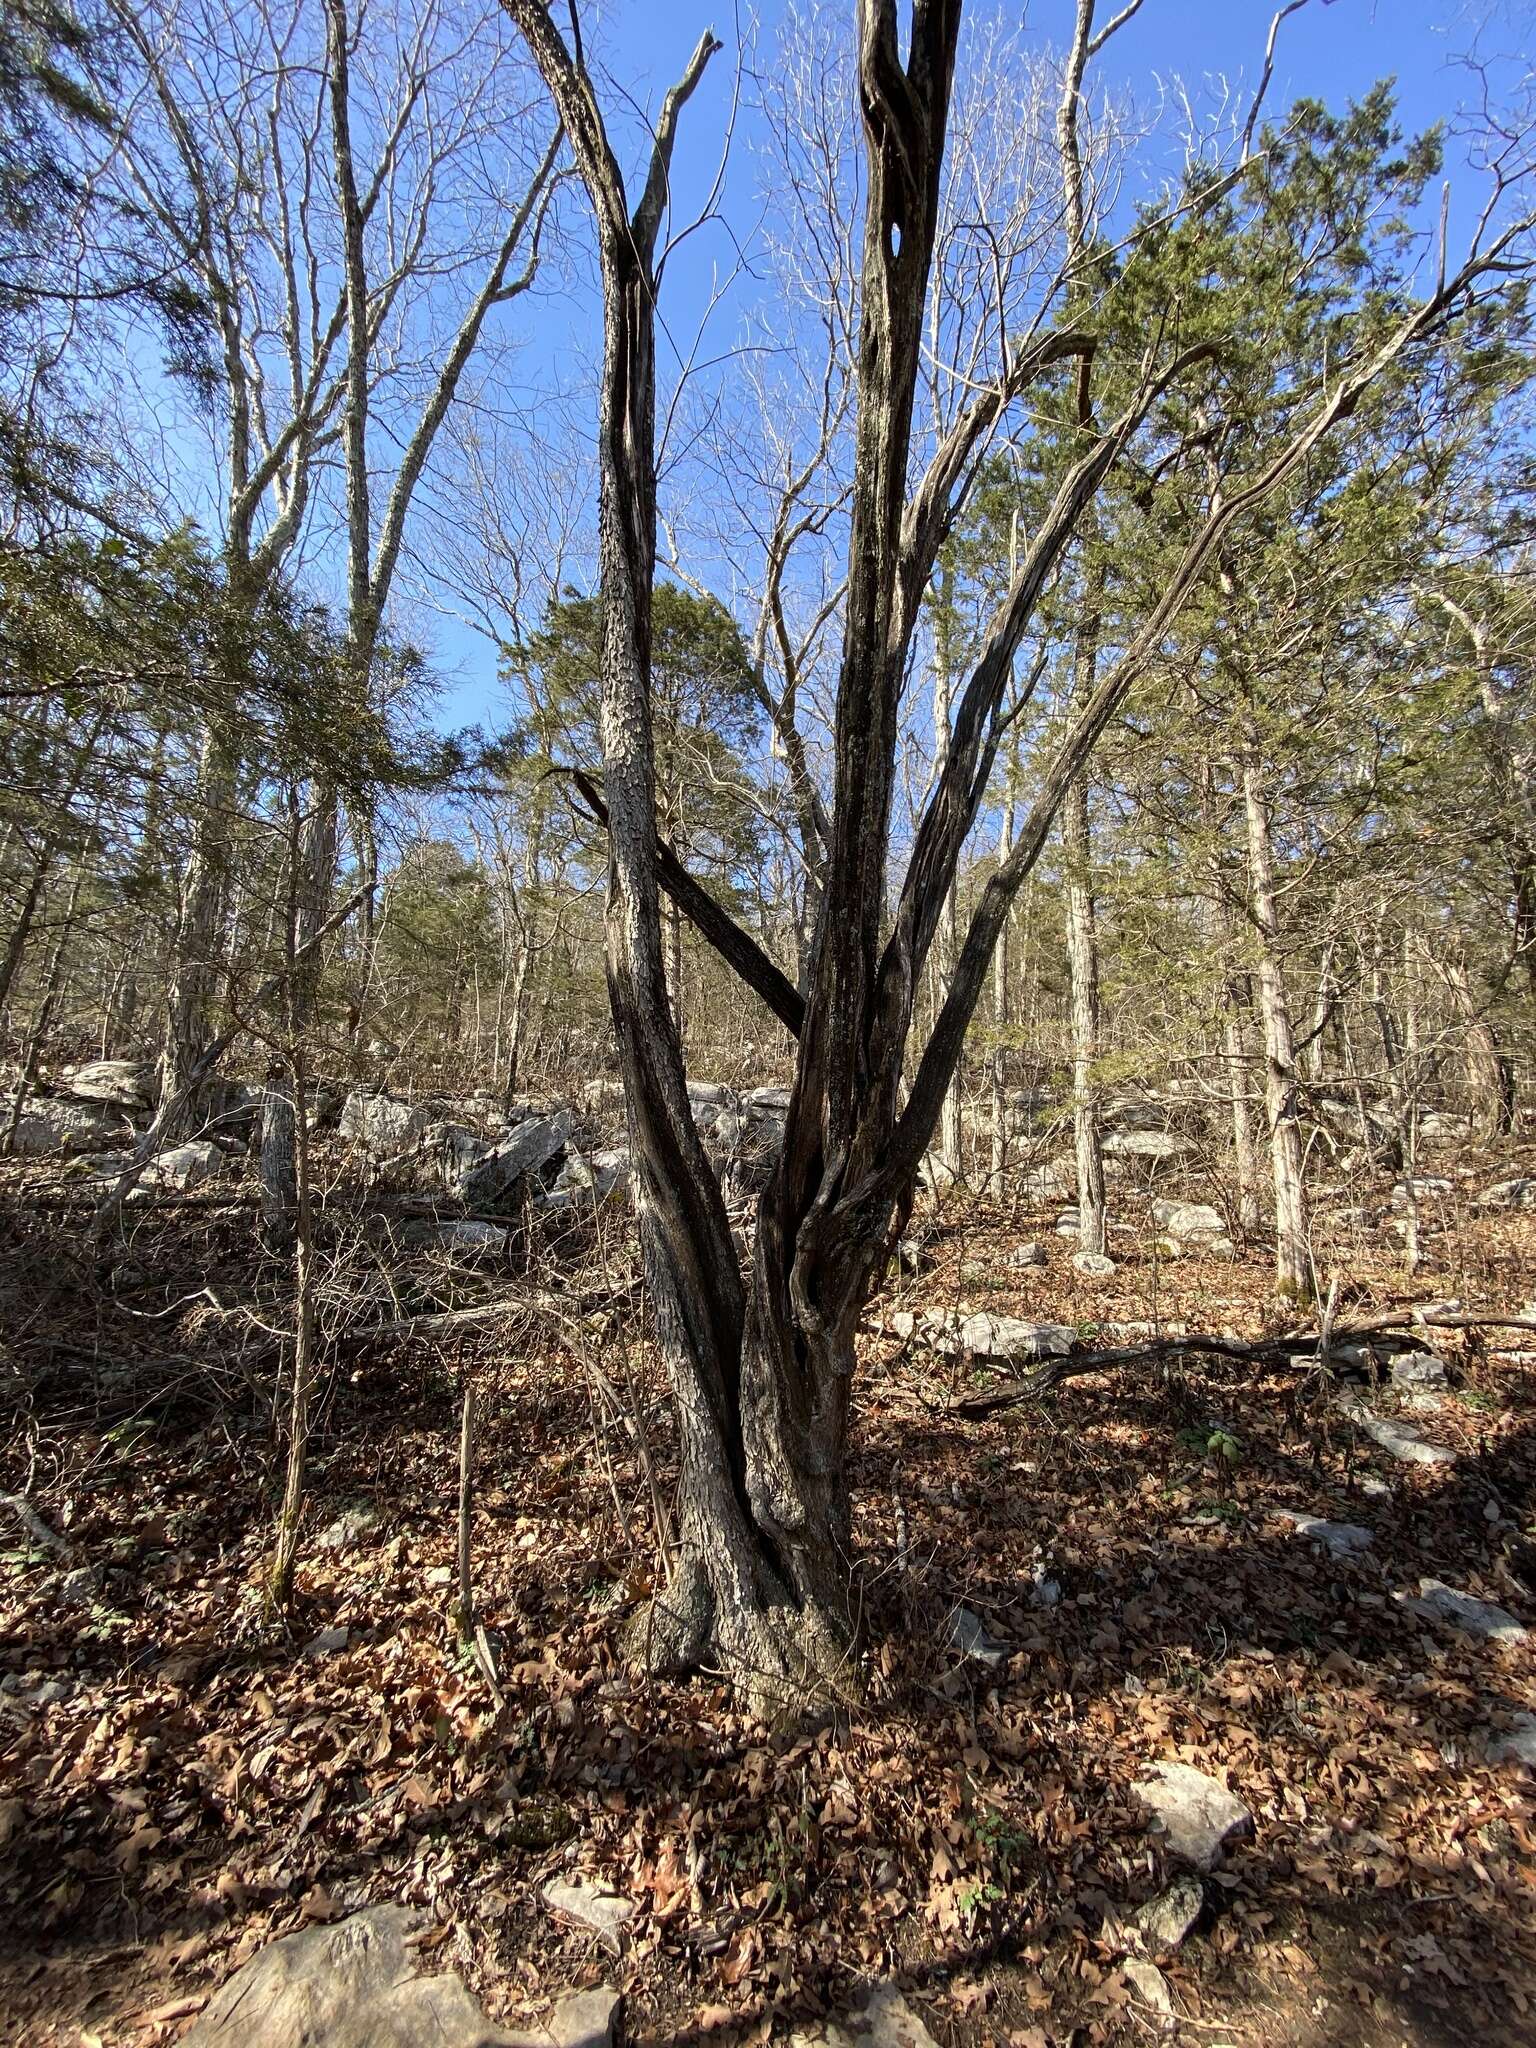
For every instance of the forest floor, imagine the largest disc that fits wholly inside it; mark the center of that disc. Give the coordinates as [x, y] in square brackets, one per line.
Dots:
[179, 1782]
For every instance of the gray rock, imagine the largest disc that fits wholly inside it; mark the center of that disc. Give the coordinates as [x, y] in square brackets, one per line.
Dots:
[81, 1587]
[1397, 1438]
[604, 1913]
[580, 2019]
[1464, 1611]
[466, 1238]
[1514, 1745]
[1339, 1539]
[355, 1984]
[129, 1083]
[1165, 1922]
[985, 1335]
[456, 1149]
[528, 1148]
[714, 1092]
[1158, 1148]
[1067, 1223]
[1031, 1254]
[767, 1101]
[1519, 1193]
[1149, 1984]
[1200, 1817]
[1189, 1219]
[330, 1642]
[380, 1123]
[971, 1637]
[185, 1166]
[49, 1124]
[351, 1527]
[1093, 1265]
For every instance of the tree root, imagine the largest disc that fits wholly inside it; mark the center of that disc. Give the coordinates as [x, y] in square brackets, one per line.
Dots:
[791, 1664]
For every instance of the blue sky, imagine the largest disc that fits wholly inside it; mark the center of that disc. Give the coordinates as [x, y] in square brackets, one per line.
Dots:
[1330, 51]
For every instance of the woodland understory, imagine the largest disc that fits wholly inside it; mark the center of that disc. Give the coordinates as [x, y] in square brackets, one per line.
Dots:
[767, 1023]
[182, 1782]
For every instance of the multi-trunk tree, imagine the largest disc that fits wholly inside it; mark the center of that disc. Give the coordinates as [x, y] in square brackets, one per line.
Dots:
[763, 1367]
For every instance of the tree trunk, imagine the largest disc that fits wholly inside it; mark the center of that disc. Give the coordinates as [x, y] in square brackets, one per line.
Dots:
[1292, 1263]
[1245, 1153]
[52, 981]
[947, 1152]
[1490, 1075]
[313, 864]
[1000, 993]
[1083, 961]
[194, 978]
[43, 860]
[1082, 932]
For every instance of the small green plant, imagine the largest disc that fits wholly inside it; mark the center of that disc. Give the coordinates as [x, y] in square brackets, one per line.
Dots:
[1002, 1840]
[972, 1897]
[778, 1855]
[1216, 1445]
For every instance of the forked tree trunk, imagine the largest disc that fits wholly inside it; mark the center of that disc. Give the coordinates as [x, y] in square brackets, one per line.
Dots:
[762, 1377]
[761, 1382]
[1281, 1092]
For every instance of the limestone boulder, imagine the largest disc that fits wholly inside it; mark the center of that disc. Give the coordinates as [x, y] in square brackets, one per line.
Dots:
[492, 1178]
[357, 1983]
[58, 1124]
[381, 1123]
[130, 1084]
[1199, 1817]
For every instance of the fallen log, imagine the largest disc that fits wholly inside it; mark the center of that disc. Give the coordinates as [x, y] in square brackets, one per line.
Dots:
[1051, 1372]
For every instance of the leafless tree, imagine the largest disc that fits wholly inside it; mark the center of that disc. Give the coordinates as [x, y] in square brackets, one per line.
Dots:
[763, 1371]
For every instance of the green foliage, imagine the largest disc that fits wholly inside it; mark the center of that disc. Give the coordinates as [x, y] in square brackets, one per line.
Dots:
[706, 719]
